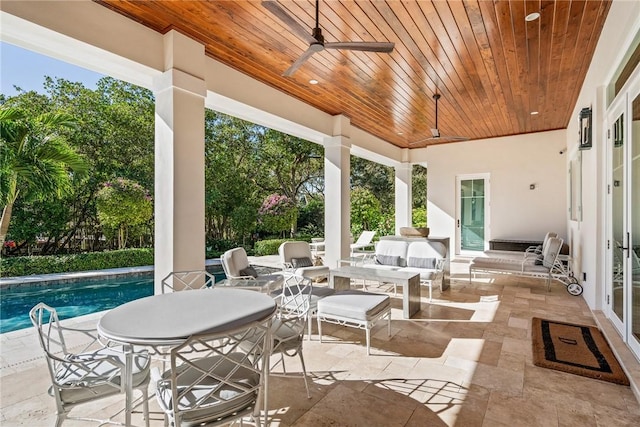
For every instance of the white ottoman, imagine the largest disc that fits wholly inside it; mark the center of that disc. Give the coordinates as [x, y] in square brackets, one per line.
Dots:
[356, 309]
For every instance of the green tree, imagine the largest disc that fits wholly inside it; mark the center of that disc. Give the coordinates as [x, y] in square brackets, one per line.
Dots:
[123, 204]
[365, 211]
[114, 133]
[278, 214]
[35, 159]
[290, 166]
[377, 178]
[232, 198]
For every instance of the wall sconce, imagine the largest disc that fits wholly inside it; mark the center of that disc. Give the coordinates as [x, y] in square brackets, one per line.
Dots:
[532, 186]
[585, 129]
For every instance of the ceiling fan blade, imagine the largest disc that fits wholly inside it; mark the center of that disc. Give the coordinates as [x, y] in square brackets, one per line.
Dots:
[303, 58]
[288, 20]
[384, 47]
[440, 139]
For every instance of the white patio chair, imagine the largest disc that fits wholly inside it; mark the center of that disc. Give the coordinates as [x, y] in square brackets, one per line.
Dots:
[365, 240]
[237, 267]
[187, 281]
[294, 304]
[295, 257]
[217, 378]
[91, 373]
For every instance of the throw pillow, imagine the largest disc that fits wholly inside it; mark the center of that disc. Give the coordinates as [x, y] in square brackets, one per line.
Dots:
[422, 262]
[301, 262]
[388, 260]
[248, 271]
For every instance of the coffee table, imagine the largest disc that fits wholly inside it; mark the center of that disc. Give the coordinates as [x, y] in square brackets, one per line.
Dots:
[340, 279]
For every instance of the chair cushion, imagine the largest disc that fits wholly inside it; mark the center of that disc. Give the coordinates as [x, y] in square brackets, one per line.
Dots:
[249, 271]
[89, 381]
[301, 262]
[313, 271]
[421, 262]
[352, 304]
[388, 260]
[238, 393]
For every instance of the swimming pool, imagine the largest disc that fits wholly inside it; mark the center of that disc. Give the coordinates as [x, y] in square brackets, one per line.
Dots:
[70, 299]
[73, 299]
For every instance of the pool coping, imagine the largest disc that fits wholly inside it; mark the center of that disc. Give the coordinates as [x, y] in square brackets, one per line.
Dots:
[62, 278]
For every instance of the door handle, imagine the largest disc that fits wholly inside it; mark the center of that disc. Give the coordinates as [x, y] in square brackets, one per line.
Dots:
[458, 223]
[628, 245]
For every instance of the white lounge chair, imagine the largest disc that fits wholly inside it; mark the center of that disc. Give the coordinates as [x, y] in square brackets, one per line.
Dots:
[550, 267]
[364, 241]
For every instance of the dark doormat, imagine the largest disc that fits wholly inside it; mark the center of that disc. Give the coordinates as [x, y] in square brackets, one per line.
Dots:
[577, 349]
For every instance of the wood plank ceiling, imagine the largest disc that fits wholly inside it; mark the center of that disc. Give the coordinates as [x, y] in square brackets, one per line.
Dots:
[491, 66]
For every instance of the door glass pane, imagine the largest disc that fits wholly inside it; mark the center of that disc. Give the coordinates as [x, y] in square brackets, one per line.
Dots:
[617, 195]
[635, 218]
[472, 214]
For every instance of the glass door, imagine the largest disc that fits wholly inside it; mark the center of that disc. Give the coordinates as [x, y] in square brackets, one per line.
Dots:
[623, 139]
[617, 241]
[471, 222]
[634, 222]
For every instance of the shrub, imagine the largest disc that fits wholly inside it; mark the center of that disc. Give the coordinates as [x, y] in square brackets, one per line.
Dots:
[268, 247]
[29, 265]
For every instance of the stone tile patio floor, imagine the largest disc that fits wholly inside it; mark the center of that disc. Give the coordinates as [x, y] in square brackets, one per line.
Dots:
[464, 360]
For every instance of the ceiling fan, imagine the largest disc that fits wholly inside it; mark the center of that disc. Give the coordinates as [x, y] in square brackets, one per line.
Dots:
[316, 40]
[435, 132]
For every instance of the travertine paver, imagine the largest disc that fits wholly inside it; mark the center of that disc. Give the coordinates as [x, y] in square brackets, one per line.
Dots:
[464, 360]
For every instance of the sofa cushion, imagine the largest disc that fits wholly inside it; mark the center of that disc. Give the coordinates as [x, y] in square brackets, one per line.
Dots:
[388, 260]
[421, 262]
[301, 262]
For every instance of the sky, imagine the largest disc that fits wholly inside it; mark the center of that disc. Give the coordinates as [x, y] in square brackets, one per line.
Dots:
[27, 70]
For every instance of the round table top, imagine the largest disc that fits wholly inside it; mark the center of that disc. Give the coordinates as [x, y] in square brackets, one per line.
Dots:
[173, 317]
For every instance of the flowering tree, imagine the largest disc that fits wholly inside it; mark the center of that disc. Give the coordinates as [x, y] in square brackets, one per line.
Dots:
[278, 214]
[121, 204]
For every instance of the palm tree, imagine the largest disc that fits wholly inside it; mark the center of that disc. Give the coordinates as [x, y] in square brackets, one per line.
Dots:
[35, 160]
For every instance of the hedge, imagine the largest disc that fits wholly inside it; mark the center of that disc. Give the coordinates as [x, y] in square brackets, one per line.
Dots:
[268, 247]
[29, 265]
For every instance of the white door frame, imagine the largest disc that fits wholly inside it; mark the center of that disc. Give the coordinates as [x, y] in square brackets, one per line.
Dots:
[623, 105]
[487, 230]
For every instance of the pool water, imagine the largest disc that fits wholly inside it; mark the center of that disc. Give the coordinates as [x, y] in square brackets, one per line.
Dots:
[73, 299]
[70, 299]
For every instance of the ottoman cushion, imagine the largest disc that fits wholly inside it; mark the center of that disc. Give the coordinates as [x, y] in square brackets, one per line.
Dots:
[353, 304]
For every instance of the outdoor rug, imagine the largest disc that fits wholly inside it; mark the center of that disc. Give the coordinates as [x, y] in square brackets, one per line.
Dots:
[577, 349]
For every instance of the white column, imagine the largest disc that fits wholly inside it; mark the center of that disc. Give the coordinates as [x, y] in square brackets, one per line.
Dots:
[403, 196]
[337, 207]
[179, 159]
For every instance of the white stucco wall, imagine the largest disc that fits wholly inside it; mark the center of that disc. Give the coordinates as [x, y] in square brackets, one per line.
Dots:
[589, 235]
[513, 163]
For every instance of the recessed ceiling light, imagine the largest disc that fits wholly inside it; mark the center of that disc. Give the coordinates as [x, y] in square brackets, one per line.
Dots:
[532, 17]
[400, 133]
[534, 113]
[313, 81]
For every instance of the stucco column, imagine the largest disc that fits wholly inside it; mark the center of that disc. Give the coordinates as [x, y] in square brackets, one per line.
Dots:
[337, 207]
[179, 159]
[403, 195]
